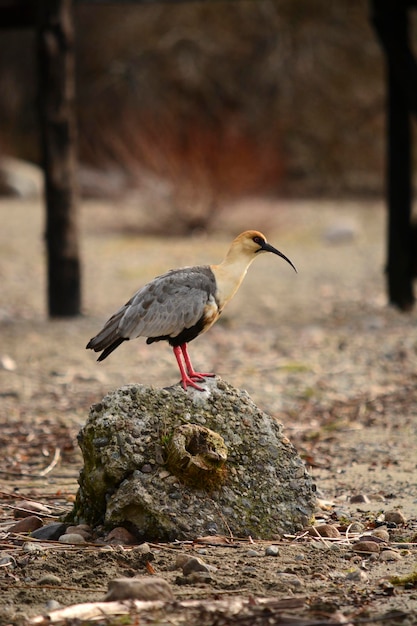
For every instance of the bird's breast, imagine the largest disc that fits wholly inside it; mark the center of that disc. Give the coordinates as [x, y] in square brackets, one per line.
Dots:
[211, 313]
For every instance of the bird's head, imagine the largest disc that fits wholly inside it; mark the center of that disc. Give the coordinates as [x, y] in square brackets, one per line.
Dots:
[252, 243]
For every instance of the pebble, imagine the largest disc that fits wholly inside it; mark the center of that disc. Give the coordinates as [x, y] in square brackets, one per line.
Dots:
[50, 532]
[271, 551]
[357, 575]
[49, 579]
[194, 565]
[143, 548]
[181, 559]
[52, 605]
[7, 559]
[121, 536]
[72, 538]
[356, 527]
[324, 530]
[199, 577]
[359, 498]
[340, 233]
[252, 553]
[390, 555]
[26, 525]
[376, 497]
[372, 538]
[365, 546]
[143, 588]
[81, 529]
[382, 533]
[7, 363]
[290, 581]
[27, 508]
[32, 547]
[395, 517]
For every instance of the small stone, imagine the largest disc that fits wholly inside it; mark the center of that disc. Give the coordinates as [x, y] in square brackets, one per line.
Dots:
[324, 530]
[194, 565]
[32, 547]
[196, 578]
[359, 498]
[143, 588]
[49, 579]
[72, 538]
[395, 517]
[365, 546]
[50, 532]
[52, 605]
[7, 363]
[180, 560]
[6, 559]
[27, 508]
[340, 233]
[356, 527]
[26, 525]
[289, 581]
[376, 497]
[143, 548]
[81, 529]
[252, 553]
[382, 533]
[271, 551]
[390, 555]
[357, 575]
[121, 536]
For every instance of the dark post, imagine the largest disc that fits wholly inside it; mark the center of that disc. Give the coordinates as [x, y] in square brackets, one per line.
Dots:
[58, 137]
[390, 19]
[399, 192]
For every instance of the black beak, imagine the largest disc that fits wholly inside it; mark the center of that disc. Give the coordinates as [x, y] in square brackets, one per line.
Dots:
[266, 247]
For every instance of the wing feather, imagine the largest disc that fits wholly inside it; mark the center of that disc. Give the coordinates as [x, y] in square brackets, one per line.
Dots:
[166, 306]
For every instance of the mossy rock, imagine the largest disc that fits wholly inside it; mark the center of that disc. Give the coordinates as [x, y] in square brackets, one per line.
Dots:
[171, 464]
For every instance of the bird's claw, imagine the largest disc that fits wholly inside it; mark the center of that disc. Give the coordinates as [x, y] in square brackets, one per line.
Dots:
[200, 375]
[188, 382]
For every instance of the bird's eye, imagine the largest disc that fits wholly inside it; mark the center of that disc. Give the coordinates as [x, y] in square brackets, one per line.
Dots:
[258, 240]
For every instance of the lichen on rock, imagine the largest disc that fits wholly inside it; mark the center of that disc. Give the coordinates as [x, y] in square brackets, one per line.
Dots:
[171, 464]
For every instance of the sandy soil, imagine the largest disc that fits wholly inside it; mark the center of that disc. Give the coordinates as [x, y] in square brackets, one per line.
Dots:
[320, 350]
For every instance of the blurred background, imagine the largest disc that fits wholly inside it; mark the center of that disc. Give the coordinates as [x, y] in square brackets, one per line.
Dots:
[192, 105]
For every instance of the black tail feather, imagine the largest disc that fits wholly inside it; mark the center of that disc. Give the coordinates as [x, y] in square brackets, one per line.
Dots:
[111, 347]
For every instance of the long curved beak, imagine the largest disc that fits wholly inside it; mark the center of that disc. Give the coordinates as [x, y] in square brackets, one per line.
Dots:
[266, 247]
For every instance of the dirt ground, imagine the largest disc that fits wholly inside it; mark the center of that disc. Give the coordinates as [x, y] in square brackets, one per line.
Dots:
[321, 350]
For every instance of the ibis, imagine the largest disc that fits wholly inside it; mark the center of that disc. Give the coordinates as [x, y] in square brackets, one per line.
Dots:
[183, 303]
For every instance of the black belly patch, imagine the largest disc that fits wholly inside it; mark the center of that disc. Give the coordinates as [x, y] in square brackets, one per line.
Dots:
[185, 336]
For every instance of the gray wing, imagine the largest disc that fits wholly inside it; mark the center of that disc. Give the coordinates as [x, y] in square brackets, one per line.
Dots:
[164, 307]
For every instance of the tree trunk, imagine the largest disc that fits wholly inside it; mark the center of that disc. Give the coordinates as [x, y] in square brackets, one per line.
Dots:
[58, 138]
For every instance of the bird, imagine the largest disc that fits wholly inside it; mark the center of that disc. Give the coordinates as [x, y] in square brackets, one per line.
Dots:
[183, 303]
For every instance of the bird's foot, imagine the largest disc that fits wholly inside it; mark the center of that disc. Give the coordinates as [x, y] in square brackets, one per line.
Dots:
[200, 375]
[187, 381]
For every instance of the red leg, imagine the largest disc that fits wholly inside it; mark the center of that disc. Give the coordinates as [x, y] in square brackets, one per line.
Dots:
[190, 369]
[185, 378]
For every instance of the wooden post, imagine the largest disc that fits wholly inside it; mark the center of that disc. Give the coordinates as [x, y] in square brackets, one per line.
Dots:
[55, 37]
[390, 20]
[399, 194]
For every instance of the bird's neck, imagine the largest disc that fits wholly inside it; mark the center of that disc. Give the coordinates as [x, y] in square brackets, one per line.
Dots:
[229, 275]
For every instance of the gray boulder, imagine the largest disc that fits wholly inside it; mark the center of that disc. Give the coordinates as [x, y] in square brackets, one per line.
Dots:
[170, 464]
